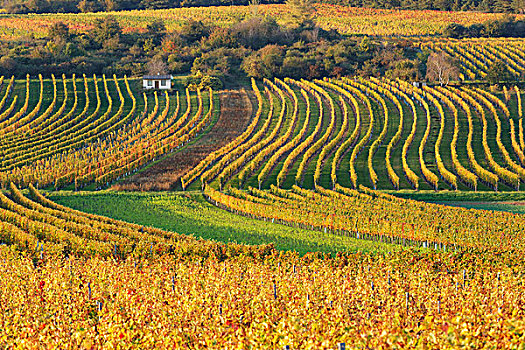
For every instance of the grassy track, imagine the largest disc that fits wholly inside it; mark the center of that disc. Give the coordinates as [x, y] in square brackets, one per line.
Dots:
[459, 196]
[512, 207]
[191, 214]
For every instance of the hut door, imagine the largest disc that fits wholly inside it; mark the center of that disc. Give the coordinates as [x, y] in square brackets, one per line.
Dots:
[156, 84]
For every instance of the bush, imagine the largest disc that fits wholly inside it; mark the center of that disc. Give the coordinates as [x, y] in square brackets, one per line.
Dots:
[265, 63]
[257, 32]
[202, 81]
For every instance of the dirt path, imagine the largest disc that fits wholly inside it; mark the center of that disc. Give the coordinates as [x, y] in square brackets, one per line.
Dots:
[236, 111]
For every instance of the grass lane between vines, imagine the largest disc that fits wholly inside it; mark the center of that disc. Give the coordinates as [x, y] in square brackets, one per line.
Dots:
[189, 213]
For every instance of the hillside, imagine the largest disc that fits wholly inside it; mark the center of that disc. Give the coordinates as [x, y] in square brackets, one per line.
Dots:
[302, 165]
[348, 20]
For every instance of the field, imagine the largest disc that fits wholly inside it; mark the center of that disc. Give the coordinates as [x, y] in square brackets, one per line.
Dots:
[361, 21]
[285, 213]
[191, 214]
[379, 133]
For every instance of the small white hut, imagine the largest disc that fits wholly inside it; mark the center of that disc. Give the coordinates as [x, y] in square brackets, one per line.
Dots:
[419, 84]
[157, 82]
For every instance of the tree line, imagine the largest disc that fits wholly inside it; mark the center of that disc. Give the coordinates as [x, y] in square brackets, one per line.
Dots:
[68, 6]
[500, 6]
[508, 27]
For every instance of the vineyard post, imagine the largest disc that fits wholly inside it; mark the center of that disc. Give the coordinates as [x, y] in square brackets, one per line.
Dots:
[99, 309]
[407, 301]
[341, 346]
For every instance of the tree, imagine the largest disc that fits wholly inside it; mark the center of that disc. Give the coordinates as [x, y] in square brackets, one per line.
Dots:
[219, 37]
[155, 4]
[12, 6]
[254, 7]
[404, 69]
[257, 32]
[71, 50]
[265, 63]
[295, 67]
[498, 72]
[302, 11]
[157, 66]
[504, 26]
[58, 30]
[503, 6]
[454, 30]
[111, 5]
[221, 63]
[89, 6]
[370, 69]
[38, 6]
[203, 81]
[156, 31]
[7, 65]
[441, 68]
[105, 29]
[518, 6]
[194, 31]
[443, 5]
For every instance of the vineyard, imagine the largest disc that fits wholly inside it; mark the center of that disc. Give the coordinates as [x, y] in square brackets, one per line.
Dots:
[313, 155]
[377, 133]
[477, 55]
[73, 132]
[263, 299]
[315, 171]
[347, 20]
